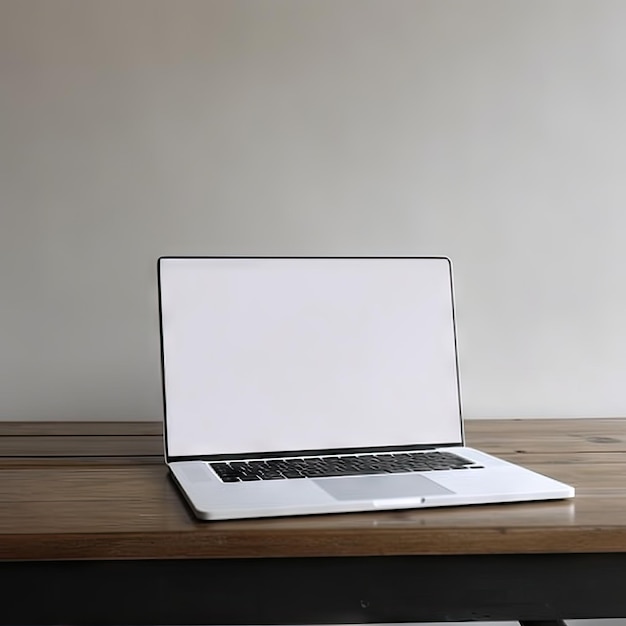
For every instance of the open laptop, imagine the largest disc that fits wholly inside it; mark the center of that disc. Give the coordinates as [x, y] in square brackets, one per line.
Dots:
[319, 385]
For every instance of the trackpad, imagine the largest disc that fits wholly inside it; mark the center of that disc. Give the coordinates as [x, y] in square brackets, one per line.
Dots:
[392, 486]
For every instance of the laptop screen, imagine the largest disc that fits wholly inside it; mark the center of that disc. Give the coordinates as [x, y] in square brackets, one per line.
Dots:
[286, 354]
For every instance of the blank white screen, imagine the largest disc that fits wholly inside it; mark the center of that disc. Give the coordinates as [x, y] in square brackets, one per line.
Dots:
[265, 354]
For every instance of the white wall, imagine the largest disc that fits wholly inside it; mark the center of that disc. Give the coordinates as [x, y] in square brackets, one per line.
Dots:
[491, 131]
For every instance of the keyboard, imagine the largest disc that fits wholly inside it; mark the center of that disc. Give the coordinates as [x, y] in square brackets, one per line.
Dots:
[339, 465]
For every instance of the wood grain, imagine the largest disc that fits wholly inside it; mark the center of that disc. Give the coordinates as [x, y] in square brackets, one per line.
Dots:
[102, 491]
[57, 429]
[80, 445]
[547, 435]
[501, 437]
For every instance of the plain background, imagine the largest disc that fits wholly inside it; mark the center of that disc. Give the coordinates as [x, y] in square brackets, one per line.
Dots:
[491, 131]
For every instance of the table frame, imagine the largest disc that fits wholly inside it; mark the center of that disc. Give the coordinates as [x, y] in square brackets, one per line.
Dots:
[532, 563]
[315, 590]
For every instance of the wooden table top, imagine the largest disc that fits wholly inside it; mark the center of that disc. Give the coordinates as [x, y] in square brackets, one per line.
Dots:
[101, 491]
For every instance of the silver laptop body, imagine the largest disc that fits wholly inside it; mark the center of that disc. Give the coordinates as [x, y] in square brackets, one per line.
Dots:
[296, 386]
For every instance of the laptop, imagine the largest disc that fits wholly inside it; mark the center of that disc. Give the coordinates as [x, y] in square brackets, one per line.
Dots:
[308, 385]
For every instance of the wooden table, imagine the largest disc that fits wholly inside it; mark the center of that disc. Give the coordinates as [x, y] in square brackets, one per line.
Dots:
[93, 531]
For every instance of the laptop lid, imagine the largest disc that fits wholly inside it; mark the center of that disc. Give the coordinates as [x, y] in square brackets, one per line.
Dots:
[265, 355]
